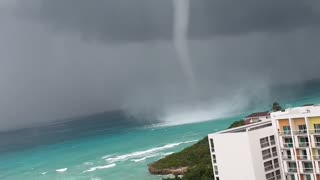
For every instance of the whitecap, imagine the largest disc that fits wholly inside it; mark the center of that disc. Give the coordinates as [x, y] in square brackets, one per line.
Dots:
[168, 153]
[43, 173]
[144, 158]
[100, 167]
[61, 170]
[106, 156]
[141, 154]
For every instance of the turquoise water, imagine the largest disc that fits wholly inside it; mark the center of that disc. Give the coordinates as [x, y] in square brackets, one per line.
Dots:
[120, 156]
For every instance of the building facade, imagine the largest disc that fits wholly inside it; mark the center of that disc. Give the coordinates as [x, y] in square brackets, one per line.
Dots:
[298, 138]
[245, 153]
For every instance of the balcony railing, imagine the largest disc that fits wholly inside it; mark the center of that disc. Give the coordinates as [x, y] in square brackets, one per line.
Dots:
[266, 156]
[314, 131]
[303, 144]
[302, 157]
[285, 133]
[300, 132]
[316, 157]
[286, 157]
[288, 145]
[308, 170]
[268, 168]
[292, 169]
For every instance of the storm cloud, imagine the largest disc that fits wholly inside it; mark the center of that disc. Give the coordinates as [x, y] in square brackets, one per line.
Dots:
[65, 58]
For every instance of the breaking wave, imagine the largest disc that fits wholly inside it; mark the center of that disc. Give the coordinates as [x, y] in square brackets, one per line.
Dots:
[139, 155]
[100, 167]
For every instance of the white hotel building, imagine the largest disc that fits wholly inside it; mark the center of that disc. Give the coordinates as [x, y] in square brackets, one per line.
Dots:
[245, 153]
[287, 147]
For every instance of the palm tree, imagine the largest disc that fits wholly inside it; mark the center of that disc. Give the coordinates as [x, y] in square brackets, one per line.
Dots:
[276, 107]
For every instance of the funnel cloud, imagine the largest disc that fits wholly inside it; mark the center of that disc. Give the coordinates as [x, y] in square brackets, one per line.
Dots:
[69, 58]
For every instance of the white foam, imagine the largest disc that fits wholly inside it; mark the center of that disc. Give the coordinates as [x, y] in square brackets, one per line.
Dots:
[100, 167]
[61, 170]
[43, 173]
[106, 156]
[144, 158]
[142, 154]
[168, 153]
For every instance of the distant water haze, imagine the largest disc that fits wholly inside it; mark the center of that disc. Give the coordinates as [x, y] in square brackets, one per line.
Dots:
[62, 59]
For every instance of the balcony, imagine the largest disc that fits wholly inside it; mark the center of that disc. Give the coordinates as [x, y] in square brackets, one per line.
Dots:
[302, 157]
[314, 131]
[303, 144]
[300, 132]
[284, 133]
[317, 144]
[287, 157]
[292, 170]
[308, 170]
[287, 145]
[316, 157]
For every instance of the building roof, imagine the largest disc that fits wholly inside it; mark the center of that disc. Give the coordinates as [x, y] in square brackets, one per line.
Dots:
[258, 114]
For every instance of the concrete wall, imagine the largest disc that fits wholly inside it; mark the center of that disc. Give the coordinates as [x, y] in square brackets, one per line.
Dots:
[256, 151]
[233, 155]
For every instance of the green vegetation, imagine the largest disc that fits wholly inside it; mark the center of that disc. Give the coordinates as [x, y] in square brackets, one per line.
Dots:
[237, 124]
[276, 107]
[196, 157]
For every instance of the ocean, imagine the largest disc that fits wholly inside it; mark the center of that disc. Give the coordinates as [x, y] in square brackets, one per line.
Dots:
[94, 149]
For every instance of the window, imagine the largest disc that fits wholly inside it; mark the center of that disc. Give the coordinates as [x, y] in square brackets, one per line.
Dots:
[286, 130]
[217, 178]
[302, 129]
[303, 154]
[316, 128]
[292, 167]
[216, 170]
[317, 140]
[264, 142]
[212, 145]
[272, 140]
[276, 163]
[268, 166]
[214, 159]
[278, 175]
[307, 167]
[288, 142]
[266, 154]
[303, 142]
[274, 151]
[270, 176]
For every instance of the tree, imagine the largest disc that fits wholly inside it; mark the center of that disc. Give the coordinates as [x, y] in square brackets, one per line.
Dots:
[276, 107]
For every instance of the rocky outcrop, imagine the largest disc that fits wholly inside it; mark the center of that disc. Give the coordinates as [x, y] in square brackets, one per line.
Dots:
[174, 171]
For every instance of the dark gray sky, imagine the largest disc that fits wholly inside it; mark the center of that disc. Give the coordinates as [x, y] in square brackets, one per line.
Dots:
[65, 58]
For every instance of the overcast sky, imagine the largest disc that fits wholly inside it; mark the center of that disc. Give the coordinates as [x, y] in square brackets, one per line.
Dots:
[66, 58]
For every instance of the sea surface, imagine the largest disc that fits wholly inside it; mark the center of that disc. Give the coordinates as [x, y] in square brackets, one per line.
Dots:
[94, 149]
